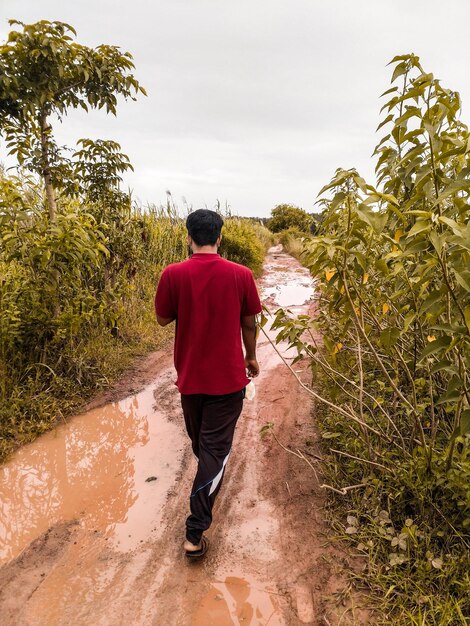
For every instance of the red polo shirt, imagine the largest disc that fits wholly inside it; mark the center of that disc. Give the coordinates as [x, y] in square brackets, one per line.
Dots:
[208, 294]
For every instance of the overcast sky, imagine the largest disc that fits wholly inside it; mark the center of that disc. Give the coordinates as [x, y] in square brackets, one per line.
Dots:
[254, 102]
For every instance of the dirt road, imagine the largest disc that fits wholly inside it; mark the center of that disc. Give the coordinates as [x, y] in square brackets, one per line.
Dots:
[92, 514]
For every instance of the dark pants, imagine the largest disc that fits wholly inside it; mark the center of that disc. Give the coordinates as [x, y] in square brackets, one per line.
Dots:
[210, 422]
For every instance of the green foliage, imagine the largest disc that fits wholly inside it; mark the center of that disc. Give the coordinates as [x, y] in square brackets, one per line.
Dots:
[290, 233]
[43, 68]
[415, 583]
[392, 265]
[263, 234]
[43, 71]
[286, 216]
[94, 172]
[241, 243]
[292, 240]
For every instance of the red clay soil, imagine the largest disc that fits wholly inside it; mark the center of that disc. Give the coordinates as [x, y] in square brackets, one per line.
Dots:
[92, 519]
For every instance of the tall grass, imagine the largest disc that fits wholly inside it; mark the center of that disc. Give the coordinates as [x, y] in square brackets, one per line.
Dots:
[292, 240]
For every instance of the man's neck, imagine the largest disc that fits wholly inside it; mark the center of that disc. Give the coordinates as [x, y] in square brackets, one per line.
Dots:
[204, 249]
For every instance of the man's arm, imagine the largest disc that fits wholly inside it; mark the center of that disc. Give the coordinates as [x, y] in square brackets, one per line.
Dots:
[165, 308]
[248, 324]
[163, 321]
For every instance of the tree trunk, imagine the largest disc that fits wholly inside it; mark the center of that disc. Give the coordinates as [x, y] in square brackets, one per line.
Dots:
[46, 168]
[44, 130]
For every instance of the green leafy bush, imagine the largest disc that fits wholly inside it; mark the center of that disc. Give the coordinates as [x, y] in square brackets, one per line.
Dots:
[285, 236]
[241, 244]
[286, 216]
[292, 240]
[392, 265]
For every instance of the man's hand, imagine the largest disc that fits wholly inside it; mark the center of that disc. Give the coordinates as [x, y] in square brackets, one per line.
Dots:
[253, 367]
[248, 324]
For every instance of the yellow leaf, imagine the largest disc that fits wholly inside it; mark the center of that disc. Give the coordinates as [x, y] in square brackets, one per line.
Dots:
[337, 348]
[431, 338]
[329, 275]
[365, 278]
[341, 290]
[385, 308]
[398, 234]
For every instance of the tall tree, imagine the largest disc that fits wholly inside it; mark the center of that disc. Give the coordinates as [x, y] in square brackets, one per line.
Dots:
[43, 73]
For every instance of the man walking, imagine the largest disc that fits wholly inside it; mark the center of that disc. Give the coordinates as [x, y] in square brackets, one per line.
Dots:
[214, 303]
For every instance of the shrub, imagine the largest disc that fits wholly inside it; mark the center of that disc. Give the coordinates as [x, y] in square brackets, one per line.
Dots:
[286, 216]
[263, 234]
[240, 243]
[292, 240]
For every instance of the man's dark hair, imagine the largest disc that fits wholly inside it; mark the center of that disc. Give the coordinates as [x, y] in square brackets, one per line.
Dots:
[204, 227]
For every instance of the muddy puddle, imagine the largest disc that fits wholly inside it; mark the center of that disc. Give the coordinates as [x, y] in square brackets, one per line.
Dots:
[110, 468]
[238, 601]
[284, 288]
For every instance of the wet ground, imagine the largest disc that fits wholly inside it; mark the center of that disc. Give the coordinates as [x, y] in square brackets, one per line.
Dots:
[92, 514]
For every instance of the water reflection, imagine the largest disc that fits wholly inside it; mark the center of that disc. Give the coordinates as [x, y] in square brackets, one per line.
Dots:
[284, 286]
[87, 469]
[237, 602]
[289, 295]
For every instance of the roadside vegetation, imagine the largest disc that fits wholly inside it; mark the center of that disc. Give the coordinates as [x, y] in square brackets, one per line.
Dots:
[79, 261]
[291, 225]
[391, 371]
